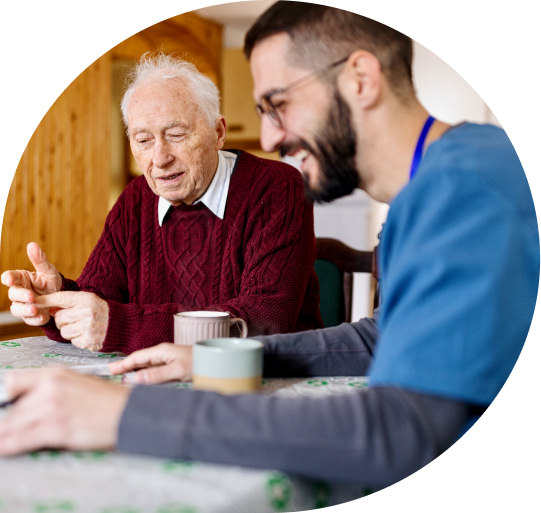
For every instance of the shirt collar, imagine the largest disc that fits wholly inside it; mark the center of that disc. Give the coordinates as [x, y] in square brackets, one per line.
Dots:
[215, 196]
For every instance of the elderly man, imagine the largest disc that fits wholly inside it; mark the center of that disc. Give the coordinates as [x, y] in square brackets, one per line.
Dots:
[204, 229]
[459, 262]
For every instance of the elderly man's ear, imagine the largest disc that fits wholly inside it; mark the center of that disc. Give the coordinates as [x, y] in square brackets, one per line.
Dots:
[221, 129]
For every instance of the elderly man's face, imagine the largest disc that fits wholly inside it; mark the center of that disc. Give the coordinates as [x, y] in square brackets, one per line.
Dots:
[316, 124]
[171, 140]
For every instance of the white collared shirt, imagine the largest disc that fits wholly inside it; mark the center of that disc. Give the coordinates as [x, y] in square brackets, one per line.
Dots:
[215, 196]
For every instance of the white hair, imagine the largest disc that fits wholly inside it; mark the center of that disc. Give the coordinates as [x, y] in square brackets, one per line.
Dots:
[163, 67]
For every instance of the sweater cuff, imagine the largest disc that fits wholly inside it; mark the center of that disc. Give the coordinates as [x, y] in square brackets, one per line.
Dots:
[52, 332]
[132, 327]
[118, 327]
[68, 284]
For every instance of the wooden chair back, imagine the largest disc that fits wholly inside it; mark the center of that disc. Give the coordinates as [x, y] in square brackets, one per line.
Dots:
[335, 264]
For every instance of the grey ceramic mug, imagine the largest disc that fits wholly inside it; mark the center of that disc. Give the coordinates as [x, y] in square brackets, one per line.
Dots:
[228, 365]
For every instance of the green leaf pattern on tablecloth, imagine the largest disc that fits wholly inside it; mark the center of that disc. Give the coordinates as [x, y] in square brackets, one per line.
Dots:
[278, 490]
[49, 454]
[54, 506]
[317, 382]
[173, 466]
[119, 378]
[186, 386]
[176, 508]
[66, 506]
[90, 455]
[55, 454]
[322, 494]
[8, 367]
[358, 384]
[10, 343]
[121, 509]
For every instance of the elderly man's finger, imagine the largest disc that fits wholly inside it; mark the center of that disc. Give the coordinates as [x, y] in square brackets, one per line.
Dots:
[70, 331]
[64, 299]
[23, 309]
[39, 260]
[37, 320]
[8, 278]
[12, 278]
[29, 314]
[21, 295]
[84, 341]
[67, 316]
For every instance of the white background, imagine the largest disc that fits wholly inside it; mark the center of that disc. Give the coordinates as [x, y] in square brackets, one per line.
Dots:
[493, 44]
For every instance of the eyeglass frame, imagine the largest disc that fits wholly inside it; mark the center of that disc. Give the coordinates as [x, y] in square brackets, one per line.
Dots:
[271, 110]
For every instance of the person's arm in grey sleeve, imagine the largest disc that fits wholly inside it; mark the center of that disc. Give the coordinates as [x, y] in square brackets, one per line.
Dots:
[344, 350]
[373, 437]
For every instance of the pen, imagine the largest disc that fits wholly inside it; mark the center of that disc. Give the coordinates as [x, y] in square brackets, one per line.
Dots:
[4, 401]
[5, 404]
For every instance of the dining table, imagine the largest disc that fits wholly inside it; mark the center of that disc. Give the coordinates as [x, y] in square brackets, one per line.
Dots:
[61, 481]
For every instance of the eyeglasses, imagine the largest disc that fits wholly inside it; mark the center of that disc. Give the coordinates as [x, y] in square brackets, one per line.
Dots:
[268, 107]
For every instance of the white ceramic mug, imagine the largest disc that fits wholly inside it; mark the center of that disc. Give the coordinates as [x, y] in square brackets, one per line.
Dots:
[189, 327]
[228, 365]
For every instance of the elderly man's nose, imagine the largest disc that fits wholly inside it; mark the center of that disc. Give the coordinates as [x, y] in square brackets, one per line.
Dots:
[162, 155]
[271, 135]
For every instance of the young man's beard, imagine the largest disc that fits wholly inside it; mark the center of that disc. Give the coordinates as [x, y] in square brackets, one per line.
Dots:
[335, 150]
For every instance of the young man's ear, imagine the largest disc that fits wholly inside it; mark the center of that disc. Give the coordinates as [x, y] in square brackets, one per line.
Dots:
[361, 79]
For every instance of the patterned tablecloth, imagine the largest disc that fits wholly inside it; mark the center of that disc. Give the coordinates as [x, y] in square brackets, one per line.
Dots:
[106, 482]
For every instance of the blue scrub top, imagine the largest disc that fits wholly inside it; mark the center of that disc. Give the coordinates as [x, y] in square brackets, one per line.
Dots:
[459, 267]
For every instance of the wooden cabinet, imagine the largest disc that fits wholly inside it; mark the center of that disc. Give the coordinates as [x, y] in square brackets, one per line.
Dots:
[237, 101]
[238, 106]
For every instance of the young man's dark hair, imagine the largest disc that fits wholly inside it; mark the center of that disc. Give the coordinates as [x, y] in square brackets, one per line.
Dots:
[320, 33]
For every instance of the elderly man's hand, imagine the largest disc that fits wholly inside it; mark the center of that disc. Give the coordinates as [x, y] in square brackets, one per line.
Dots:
[81, 317]
[158, 364]
[26, 286]
[58, 408]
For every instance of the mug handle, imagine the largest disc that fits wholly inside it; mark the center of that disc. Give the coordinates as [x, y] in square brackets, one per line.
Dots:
[243, 326]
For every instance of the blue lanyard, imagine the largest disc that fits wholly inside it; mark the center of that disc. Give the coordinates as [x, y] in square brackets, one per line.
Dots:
[418, 154]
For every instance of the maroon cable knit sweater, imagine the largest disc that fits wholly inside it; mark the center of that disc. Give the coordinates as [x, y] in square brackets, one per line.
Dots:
[256, 263]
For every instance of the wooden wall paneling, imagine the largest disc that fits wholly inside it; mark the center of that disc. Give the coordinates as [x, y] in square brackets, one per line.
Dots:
[59, 193]
[187, 36]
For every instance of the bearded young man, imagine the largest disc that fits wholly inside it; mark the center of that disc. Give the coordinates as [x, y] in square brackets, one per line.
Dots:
[459, 260]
